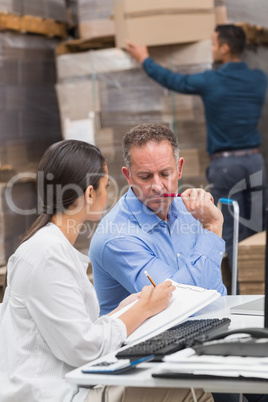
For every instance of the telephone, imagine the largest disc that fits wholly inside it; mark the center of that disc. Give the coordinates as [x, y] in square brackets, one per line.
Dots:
[240, 342]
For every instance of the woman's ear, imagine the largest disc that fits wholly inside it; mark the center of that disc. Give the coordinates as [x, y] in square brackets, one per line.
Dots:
[89, 195]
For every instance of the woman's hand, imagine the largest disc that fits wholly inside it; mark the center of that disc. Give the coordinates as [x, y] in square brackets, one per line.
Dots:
[131, 298]
[125, 302]
[156, 299]
[152, 300]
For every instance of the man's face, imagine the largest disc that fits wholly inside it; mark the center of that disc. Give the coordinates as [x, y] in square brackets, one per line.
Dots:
[216, 48]
[154, 172]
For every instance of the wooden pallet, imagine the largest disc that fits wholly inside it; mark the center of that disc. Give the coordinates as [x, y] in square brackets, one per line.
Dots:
[82, 45]
[255, 35]
[32, 24]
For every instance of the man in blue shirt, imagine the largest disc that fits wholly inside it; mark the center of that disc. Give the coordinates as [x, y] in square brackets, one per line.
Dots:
[170, 237]
[233, 97]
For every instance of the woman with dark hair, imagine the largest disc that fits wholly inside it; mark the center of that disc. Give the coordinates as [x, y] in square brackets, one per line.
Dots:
[49, 322]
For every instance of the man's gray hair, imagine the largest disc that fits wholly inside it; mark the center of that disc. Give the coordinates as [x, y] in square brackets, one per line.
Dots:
[147, 132]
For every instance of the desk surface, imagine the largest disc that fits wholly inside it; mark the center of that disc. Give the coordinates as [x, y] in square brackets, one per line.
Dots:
[141, 376]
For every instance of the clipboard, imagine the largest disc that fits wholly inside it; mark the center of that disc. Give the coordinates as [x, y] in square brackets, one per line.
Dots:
[186, 300]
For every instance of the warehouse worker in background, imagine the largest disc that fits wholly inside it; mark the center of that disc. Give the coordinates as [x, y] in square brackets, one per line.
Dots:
[233, 97]
[146, 231]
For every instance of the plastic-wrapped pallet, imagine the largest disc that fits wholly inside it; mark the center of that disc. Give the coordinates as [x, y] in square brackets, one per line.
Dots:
[94, 9]
[28, 106]
[29, 124]
[53, 9]
[17, 205]
[94, 18]
[252, 12]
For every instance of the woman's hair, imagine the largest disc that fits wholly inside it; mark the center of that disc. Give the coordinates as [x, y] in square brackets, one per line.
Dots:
[65, 171]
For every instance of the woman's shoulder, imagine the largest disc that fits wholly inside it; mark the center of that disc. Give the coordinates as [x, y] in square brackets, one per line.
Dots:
[43, 243]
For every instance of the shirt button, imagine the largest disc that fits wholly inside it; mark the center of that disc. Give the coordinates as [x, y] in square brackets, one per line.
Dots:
[178, 255]
[221, 253]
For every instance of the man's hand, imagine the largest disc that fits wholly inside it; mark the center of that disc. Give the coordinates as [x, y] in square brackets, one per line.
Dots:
[201, 205]
[139, 53]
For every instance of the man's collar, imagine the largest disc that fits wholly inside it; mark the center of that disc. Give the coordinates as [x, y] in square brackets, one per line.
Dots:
[146, 218]
[233, 65]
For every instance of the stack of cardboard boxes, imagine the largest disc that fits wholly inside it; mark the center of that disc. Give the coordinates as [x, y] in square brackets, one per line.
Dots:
[104, 93]
[94, 18]
[150, 22]
[251, 264]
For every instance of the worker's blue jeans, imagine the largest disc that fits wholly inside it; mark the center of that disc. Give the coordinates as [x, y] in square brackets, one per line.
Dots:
[241, 178]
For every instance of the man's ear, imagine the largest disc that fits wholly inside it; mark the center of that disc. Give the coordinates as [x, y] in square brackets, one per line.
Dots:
[89, 195]
[180, 165]
[126, 173]
[225, 49]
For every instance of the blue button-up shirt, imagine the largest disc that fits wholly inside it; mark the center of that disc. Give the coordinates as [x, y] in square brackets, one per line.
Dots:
[233, 97]
[131, 239]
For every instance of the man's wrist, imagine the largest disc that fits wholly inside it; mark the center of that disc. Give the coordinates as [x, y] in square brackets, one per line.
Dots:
[142, 59]
[214, 228]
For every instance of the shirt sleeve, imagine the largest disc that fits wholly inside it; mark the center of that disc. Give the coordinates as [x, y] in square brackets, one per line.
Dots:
[128, 257]
[183, 83]
[56, 303]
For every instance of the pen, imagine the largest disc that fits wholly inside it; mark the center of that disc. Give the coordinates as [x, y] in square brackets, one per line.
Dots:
[172, 195]
[150, 279]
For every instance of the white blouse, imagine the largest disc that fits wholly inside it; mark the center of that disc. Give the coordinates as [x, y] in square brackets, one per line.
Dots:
[49, 321]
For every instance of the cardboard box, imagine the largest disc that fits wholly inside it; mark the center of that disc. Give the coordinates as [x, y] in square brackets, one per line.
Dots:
[221, 15]
[81, 130]
[158, 23]
[148, 6]
[93, 62]
[251, 264]
[183, 55]
[77, 99]
[96, 28]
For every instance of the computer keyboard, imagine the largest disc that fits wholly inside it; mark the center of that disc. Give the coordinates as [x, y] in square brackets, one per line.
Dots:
[176, 338]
